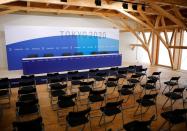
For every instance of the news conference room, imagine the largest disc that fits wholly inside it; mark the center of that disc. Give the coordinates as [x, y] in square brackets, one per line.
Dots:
[105, 65]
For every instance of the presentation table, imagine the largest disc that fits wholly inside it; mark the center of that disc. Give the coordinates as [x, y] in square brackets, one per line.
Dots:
[67, 63]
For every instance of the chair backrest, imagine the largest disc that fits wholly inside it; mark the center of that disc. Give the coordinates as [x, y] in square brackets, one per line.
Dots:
[114, 68]
[101, 74]
[92, 72]
[138, 68]
[27, 80]
[4, 83]
[131, 86]
[31, 125]
[55, 74]
[67, 97]
[156, 73]
[175, 79]
[122, 71]
[150, 96]
[97, 92]
[89, 83]
[53, 77]
[21, 92]
[112, 105]
[79, 113]
[113, 79]
[27, 103]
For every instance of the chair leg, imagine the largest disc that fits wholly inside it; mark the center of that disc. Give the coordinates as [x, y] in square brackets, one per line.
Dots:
[90, 124]
[83, 127]
[67, 127]
[141, 112]
[165, 103]
[100, 119]
[113, 118]
[164, 89]
[136, 110]
[162, 125]
[105, 122]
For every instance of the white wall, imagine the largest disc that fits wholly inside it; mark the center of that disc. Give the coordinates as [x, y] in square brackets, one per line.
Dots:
[66, 21]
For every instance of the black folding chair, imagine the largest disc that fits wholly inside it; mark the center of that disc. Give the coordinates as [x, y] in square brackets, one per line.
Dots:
[122, 75]
[150, 86]
[66, 102]
[155, 76]
[100, 79]
[174, 117]
[74, 119]
[127, 90]
[5, 89]
[113, 71]
[96, 96]
[139, 125]
[147, 101]
[26, 108]
[112, 83]
[111, 109]
[84, 88]
[173, 96]
[174, 81]
[30, 125]
[141, 72]
[27, 95]
[92, 73]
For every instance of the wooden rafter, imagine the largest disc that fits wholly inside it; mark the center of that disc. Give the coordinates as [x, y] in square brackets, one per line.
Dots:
[144, 16]
[112, 21]
[6, 1]
[133, 17]
[168, 15]
[144, 45]
[177, 12]
[60, 11]
[8, 11]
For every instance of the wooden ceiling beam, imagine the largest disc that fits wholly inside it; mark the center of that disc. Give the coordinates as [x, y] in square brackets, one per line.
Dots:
[6, 1]
[168, 15]
[144, 16]
[133, 17]
[59, 11]
[8, 11]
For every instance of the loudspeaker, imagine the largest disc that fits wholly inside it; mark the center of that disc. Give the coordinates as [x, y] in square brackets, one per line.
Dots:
[63, 0]
[134, 6]
[98, 2]
[125, 5]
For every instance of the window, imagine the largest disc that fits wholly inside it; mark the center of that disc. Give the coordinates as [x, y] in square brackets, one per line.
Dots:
[163, 58]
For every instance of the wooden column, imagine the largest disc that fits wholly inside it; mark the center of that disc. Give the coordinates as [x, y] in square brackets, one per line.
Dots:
[177, 53]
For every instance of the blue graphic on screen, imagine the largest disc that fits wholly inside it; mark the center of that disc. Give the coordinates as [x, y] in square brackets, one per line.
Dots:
[58, 45]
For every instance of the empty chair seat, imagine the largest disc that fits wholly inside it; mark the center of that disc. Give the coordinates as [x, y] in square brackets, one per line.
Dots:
[31, 125]
[74, 119]
[137, 125]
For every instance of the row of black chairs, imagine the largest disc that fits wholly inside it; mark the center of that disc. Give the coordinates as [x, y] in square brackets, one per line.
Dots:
[28, 105]
[150, 84]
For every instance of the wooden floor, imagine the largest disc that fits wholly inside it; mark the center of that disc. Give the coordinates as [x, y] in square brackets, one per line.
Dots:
[50, 116]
